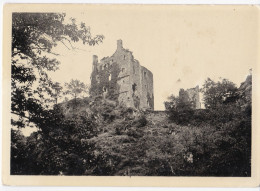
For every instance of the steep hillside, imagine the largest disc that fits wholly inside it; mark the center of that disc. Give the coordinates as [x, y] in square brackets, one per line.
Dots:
[95, 136]
[126, 141]
[137, 143]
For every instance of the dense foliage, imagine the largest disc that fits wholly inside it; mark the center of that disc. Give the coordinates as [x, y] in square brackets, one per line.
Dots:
[34, 35]
[62, 147]
[218, 93]
[75, 88]
[226, 122]
[179, 109]
[100, 138]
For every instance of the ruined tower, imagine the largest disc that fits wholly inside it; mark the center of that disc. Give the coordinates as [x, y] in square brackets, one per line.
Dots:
[191, 95]
[121, 78]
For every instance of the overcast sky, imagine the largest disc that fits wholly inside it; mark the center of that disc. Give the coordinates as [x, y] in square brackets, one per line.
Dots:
[180, 45]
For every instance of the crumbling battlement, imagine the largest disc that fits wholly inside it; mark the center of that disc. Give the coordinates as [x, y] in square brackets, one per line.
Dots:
[121, 78]
[191, 95]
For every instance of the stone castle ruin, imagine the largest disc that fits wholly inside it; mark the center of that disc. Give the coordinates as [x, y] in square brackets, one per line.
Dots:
[191, 95]
[121, 78]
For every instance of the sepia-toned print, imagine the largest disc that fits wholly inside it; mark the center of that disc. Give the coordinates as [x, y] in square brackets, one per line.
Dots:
[119, 91]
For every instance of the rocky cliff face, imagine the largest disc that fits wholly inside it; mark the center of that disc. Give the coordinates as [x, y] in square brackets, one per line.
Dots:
[245, 91]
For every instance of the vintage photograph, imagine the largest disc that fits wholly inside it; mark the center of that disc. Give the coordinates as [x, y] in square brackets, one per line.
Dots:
[133, 90]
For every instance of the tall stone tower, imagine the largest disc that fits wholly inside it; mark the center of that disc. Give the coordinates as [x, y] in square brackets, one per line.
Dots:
[121, 78]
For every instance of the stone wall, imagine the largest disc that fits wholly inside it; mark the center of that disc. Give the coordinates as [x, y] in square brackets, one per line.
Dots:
[147, 88]
[121, 78]
[191, 95]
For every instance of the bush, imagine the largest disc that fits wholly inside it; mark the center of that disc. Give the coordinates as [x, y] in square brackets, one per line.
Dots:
[179, 110]
[134, 132]
[141, 122]
[119, 129]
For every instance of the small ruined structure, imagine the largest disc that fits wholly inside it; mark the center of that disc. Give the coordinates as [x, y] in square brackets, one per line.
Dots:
[121, 78]
[191, 95]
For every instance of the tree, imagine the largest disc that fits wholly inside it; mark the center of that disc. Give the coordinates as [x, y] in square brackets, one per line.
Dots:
[61, 147]
[33, 37]
[58, 90]
[75, 88]
[218, 93]
[179, 109]
[18, 158]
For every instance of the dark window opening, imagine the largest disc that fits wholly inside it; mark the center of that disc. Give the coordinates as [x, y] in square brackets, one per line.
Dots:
[104, 89]
[124, 57]
[144, 74]
[134, 87]
[123, 69]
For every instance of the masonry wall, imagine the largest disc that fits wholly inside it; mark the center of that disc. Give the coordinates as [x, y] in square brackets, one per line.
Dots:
[147, 88]
[104, 79]
[191, 95]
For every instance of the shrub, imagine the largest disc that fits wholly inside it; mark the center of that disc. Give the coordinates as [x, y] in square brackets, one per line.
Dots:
[179, 110]
[134, 132]
[141, 122]
[119, 129]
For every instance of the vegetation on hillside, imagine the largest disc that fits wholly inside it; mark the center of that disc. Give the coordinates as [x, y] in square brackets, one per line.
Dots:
[226, 122]
[97, 137]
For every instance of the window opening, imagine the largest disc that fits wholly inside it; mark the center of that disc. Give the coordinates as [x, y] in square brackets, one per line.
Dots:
[134, 87]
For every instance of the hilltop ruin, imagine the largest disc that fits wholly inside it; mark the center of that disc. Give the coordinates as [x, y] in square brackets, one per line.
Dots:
[121, 78]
